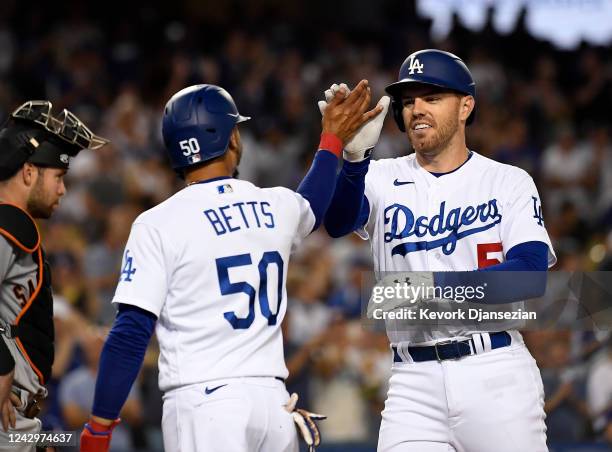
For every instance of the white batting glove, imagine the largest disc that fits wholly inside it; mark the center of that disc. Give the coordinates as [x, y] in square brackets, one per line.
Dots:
[401, 290]
[304, 421]
[360, 146]
[330, 93]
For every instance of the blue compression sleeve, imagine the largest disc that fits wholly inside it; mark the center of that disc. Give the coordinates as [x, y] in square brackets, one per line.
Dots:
[317, 187]
[529, 259]
[121, 359]
[349, 208]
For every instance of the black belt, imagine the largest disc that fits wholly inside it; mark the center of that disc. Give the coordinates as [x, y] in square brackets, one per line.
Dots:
[451, 349]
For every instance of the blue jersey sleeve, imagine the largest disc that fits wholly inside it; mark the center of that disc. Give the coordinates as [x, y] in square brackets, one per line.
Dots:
[317, 187]
[529, 258]
[121, 359]
[349, 209]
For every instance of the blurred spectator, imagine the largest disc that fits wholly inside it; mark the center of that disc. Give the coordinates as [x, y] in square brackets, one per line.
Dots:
[568, 171]
[102, 260]
[68, 281]
[563, 386]
[128, 125]
[516, 150]
[599, 391]
[594, 88]
[349, 382]
[77, 389]
[307, 314]
[600, 139]
[546, 104]
[570, 225]
[105, 189]
[348, 298]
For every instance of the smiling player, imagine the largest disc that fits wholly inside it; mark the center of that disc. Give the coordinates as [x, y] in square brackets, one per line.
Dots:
[447, 208]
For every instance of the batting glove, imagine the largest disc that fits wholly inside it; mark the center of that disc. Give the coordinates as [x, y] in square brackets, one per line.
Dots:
[96, 437]
[360, 146]
[304, 421]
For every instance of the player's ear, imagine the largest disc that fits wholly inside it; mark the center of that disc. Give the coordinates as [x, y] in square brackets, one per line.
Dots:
[466, 105]
[29, 174]
[234, 141]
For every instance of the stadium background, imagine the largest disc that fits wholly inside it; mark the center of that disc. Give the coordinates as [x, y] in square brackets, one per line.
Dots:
[541, 108]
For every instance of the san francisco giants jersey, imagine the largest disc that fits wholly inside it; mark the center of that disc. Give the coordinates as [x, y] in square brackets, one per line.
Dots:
[18, 276]
[211, 263]
[461, 221]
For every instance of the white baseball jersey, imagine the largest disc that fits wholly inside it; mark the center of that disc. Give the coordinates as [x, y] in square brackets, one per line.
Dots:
[461, 221]
[211, 263]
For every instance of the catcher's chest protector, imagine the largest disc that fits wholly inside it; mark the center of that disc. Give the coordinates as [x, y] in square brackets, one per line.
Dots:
[33, 330]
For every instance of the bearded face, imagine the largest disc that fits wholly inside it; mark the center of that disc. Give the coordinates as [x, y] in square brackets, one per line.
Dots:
[431, 117]
[47, 192]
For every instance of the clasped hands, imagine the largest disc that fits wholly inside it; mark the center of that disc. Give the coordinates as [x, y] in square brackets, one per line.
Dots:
[360, 129]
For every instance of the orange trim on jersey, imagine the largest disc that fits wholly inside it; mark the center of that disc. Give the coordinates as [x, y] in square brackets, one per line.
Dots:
[23, 311]
[34, 368]
[10, 236]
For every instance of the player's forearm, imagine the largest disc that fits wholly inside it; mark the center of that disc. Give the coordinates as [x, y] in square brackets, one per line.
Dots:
[317, 187]
[521, 277]
[120, 360]
[348, 203]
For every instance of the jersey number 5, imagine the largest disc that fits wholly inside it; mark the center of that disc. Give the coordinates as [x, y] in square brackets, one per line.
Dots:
[228, 288]
[483, 250]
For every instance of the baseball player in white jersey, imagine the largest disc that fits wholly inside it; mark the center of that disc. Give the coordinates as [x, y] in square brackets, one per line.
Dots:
[209, 266]
[446, 208]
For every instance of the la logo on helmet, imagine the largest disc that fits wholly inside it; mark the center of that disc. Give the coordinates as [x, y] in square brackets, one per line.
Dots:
[415, 65]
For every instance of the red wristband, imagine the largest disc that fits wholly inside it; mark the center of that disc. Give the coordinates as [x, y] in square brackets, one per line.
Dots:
[331, 143]
[97, 427]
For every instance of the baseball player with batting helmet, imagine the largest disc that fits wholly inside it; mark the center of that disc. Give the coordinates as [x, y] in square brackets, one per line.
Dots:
[446, 208]
[207, 268]
[35, 151]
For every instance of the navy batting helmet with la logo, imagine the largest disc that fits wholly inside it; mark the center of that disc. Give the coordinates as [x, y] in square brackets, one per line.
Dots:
[431, 67]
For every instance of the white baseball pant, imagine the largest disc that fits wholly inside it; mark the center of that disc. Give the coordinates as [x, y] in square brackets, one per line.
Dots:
[492, 401]
[229, 415]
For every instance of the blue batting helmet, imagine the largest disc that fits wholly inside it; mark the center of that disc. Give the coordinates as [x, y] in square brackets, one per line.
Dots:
[431, 67]
[197, 124]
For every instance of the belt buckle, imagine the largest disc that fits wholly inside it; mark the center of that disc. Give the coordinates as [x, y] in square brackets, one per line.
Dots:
[32, 409]
[447, 342]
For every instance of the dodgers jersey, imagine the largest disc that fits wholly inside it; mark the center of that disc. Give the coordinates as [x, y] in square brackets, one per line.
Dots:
[461, 221]
[211, 263]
